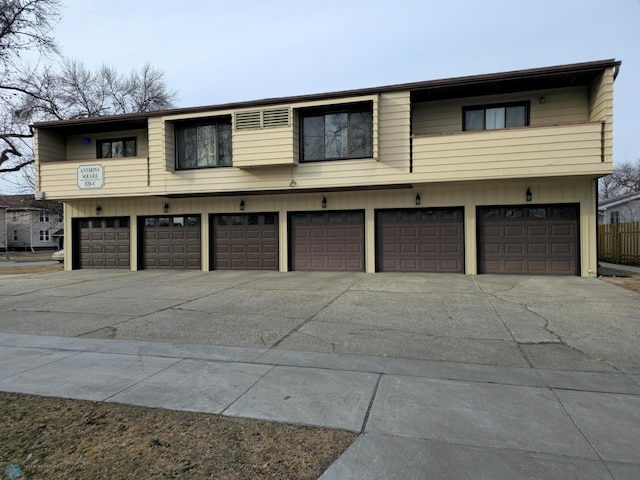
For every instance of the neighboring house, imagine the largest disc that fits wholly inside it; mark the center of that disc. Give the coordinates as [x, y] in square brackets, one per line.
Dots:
[620, 209]
[29, 224]
[483, 174]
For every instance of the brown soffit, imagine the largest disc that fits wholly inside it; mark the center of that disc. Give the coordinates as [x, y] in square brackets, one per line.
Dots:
[545, 77]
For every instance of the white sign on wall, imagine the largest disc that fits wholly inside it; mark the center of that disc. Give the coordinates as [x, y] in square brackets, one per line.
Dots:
[90, 176]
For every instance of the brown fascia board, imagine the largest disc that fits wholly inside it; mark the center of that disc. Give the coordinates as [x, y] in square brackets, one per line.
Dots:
[448, 82]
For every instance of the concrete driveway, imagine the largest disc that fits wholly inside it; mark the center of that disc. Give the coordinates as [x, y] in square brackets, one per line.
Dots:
[563, 323]
[397, 358]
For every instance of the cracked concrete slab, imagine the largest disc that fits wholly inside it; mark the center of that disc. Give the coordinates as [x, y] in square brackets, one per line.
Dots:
[188, 326]
[380, 457]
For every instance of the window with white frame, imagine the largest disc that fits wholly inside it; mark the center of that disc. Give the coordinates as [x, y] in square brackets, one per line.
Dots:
[44, 217]
[44, 236]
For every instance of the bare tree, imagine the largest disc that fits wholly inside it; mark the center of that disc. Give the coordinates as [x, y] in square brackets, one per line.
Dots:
[25, 27]
[64, 89]
[624, 179]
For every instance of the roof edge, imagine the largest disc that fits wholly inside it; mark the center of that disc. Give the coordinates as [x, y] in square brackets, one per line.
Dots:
[453, 81]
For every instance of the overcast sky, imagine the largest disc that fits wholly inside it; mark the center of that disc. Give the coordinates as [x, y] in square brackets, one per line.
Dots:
[216, 51]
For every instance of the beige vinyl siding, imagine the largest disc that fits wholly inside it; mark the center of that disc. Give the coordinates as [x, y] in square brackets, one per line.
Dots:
[469, 195]
[263, 147]
[510, 153]
[561, 105]
[601, 109]
[395, 129]
[77, 151]
[50, 146]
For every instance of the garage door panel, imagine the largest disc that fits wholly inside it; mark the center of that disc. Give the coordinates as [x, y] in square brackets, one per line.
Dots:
[327, 241]
[531, 240]
[102, 242]
[418, 240]
[248, 242]
[171, 242]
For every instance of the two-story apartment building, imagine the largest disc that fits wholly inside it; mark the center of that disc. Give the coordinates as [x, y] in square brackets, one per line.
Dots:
[483, 174]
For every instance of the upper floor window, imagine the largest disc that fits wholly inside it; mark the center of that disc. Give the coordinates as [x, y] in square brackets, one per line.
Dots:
[14, 216]
[121, 147]
[337, 132]
[205, 144]
[496, 116]
[615, 217]
[44, 217]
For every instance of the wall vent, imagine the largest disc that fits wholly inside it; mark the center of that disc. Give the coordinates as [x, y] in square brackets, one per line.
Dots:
[276, 117]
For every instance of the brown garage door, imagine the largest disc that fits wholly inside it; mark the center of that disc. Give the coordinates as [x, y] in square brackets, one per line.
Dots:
[331, 241]
[245, 242]
[426, 240]
[102, 243]
[528, 239]
[171, 242]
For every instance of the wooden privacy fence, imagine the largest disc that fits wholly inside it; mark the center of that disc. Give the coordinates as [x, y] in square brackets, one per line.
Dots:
[619, 243]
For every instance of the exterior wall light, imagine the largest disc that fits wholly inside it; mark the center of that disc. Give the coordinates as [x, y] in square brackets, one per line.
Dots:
[529, 194]
[98, 209]
[417, 199]
[324, 202]
[165, 207]
[241, 204]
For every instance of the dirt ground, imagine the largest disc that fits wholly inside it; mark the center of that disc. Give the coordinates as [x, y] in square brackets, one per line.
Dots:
[56, 438]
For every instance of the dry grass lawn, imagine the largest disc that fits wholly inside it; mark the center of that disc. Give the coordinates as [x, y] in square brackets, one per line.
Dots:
[56, 439]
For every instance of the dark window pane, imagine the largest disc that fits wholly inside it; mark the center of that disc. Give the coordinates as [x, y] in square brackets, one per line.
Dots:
[537, 212]
[186, 147]
[491, 213]
[222, 220]
[516, 116]
[149, 222]
[269, 219]
[124, 222]
[110, 223]
[236, 220]
[193, 221]
[317, 218]
[410, 216]
[105, 150]
[562, 212]
[514, 213]
[130, 148]
[428, 215]
[450, 214]
[354, 217]
[474, 120]
[84, 223]
[206, 145]
[299, 219]
[389, 216]
[253, 219]
[335, 217]
[313, 143]
[335, 135]
[360, 134]
[163, 222]
[224, 145]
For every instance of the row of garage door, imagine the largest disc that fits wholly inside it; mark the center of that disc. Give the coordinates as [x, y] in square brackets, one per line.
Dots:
[518, 239]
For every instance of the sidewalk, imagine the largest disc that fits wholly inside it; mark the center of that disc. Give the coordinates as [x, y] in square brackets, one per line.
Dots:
[417, 418]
